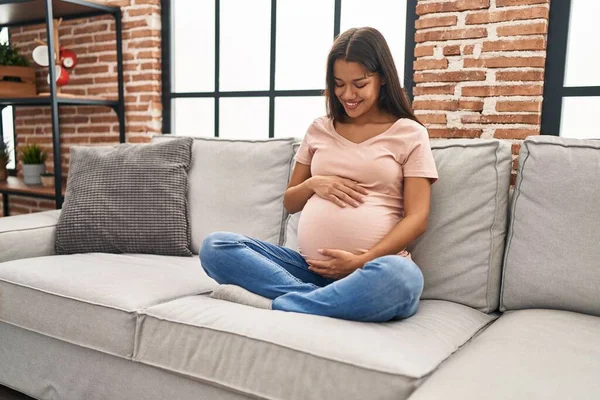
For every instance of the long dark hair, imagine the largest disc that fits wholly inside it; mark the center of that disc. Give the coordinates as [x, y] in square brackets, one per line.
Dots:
[368, 47]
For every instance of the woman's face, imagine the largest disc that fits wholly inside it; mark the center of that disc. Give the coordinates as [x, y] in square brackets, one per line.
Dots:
[357, 90]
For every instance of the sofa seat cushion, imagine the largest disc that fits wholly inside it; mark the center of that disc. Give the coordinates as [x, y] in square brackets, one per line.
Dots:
[529, 354]
[284, 355]
[91, 299]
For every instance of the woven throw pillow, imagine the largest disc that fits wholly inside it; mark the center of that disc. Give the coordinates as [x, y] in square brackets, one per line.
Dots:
[131, 198]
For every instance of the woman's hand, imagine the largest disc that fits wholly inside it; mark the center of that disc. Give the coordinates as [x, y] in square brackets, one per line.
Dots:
[340, 191]
[341, 264]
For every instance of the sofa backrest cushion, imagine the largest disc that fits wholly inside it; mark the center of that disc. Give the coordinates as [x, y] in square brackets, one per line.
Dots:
[553, 244]
[238, 186]
[461, 252]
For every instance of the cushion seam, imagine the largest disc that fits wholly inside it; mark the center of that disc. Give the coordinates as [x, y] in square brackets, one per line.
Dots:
[490, 259]
[27, 229]
[512, 223]
[130, 357]
[64, 296]
[284, 213]
[282, 346]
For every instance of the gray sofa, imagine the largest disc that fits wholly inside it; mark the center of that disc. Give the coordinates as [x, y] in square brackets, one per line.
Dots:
[510, 310]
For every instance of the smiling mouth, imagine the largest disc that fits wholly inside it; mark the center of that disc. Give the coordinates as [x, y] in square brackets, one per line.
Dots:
[351, 104]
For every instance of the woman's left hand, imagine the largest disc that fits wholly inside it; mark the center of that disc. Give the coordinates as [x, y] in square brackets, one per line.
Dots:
[341, 264]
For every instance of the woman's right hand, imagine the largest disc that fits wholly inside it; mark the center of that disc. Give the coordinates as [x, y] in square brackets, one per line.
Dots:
[340, 191]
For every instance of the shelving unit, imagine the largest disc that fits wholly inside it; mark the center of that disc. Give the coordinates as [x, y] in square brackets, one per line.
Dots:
[15, 13]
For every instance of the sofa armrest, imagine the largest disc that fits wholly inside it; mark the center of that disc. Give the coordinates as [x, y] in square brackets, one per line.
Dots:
[27, 236]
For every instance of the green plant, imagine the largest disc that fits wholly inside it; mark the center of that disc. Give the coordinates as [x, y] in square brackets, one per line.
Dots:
[10, 56]
[33, 154]
[4, 153]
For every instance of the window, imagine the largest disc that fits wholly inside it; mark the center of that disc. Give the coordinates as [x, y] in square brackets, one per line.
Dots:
[7, 132]
[256, 69]
[572, 84]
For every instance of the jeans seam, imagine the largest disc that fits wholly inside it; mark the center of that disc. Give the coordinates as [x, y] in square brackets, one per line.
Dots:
[245, 243]
[292, 262]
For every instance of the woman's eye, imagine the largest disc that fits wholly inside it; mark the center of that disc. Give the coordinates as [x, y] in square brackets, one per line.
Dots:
[339, 85]
[360, 87]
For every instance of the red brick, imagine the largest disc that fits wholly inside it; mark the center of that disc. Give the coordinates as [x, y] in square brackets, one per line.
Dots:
[472, 105]
[449, 20]
[450, 34]
[453, 50]
[505, 90]
[505, 3]
[515, 133]
[420, 65]
[451, 76]
[451, 6]
[424, 51]
[533, 28]
[487, 17]
[424, 90]
[454, 133]
[504, 62]
[447, 105]
[533, 119]
[514, 45]
[432, 118]
[520, 76]
[523, 106]
[469, 49]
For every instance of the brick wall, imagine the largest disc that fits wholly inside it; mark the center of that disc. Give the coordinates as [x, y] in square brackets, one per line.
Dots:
[479, 68]
[93, 40]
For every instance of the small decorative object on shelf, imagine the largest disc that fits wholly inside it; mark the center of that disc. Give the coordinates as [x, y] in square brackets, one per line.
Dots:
[4, 160]
[33, 159]
[17, 78]
[47, 179]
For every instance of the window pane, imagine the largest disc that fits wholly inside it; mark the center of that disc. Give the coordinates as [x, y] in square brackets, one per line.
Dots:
[194, 117]
[391, 23]
[583, 49]
[579, 117]
[193, 45]
[293, 115]
[304, 38]
[7, 115]
[244, 118]
[245, 45]
[8, 131]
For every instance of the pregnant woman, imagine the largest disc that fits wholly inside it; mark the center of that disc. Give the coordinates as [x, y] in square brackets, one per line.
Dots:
[362, 180]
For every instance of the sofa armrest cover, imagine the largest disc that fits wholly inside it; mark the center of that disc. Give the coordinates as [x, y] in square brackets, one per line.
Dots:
[27, 236]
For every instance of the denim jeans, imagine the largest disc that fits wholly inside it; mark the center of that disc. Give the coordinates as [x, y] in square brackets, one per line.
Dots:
[386, 288]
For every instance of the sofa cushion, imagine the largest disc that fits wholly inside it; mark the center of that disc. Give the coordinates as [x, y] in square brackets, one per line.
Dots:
[553, 245]
[28, 235]
[130, 198]
[238, 186]
[281, 355]
[529, 354]
[91, 299]
[461, 252]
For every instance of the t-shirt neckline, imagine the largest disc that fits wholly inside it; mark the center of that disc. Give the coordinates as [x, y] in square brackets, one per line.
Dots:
[341, 137]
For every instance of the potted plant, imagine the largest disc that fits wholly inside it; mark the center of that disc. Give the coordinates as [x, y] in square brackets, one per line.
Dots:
[4, 160]
[33, 159]
[17, 78]
[47, 179]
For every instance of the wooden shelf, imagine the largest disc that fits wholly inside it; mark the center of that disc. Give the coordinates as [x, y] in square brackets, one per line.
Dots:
[16, 186]
[29, 12]
[61, 99]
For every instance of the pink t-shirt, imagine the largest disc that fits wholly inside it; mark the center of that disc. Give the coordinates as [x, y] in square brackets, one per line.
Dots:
[379, 165]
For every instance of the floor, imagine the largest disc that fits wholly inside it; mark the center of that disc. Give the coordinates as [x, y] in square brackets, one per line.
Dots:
[8, 394]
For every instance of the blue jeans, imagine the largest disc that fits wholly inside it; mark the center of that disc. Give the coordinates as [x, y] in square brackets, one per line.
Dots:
[385, 288]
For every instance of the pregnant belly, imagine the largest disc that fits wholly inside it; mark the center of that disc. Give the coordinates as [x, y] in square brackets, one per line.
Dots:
[324, 225]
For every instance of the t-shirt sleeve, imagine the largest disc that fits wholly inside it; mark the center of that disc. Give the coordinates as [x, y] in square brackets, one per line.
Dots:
[420, 162]
[305, 151]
